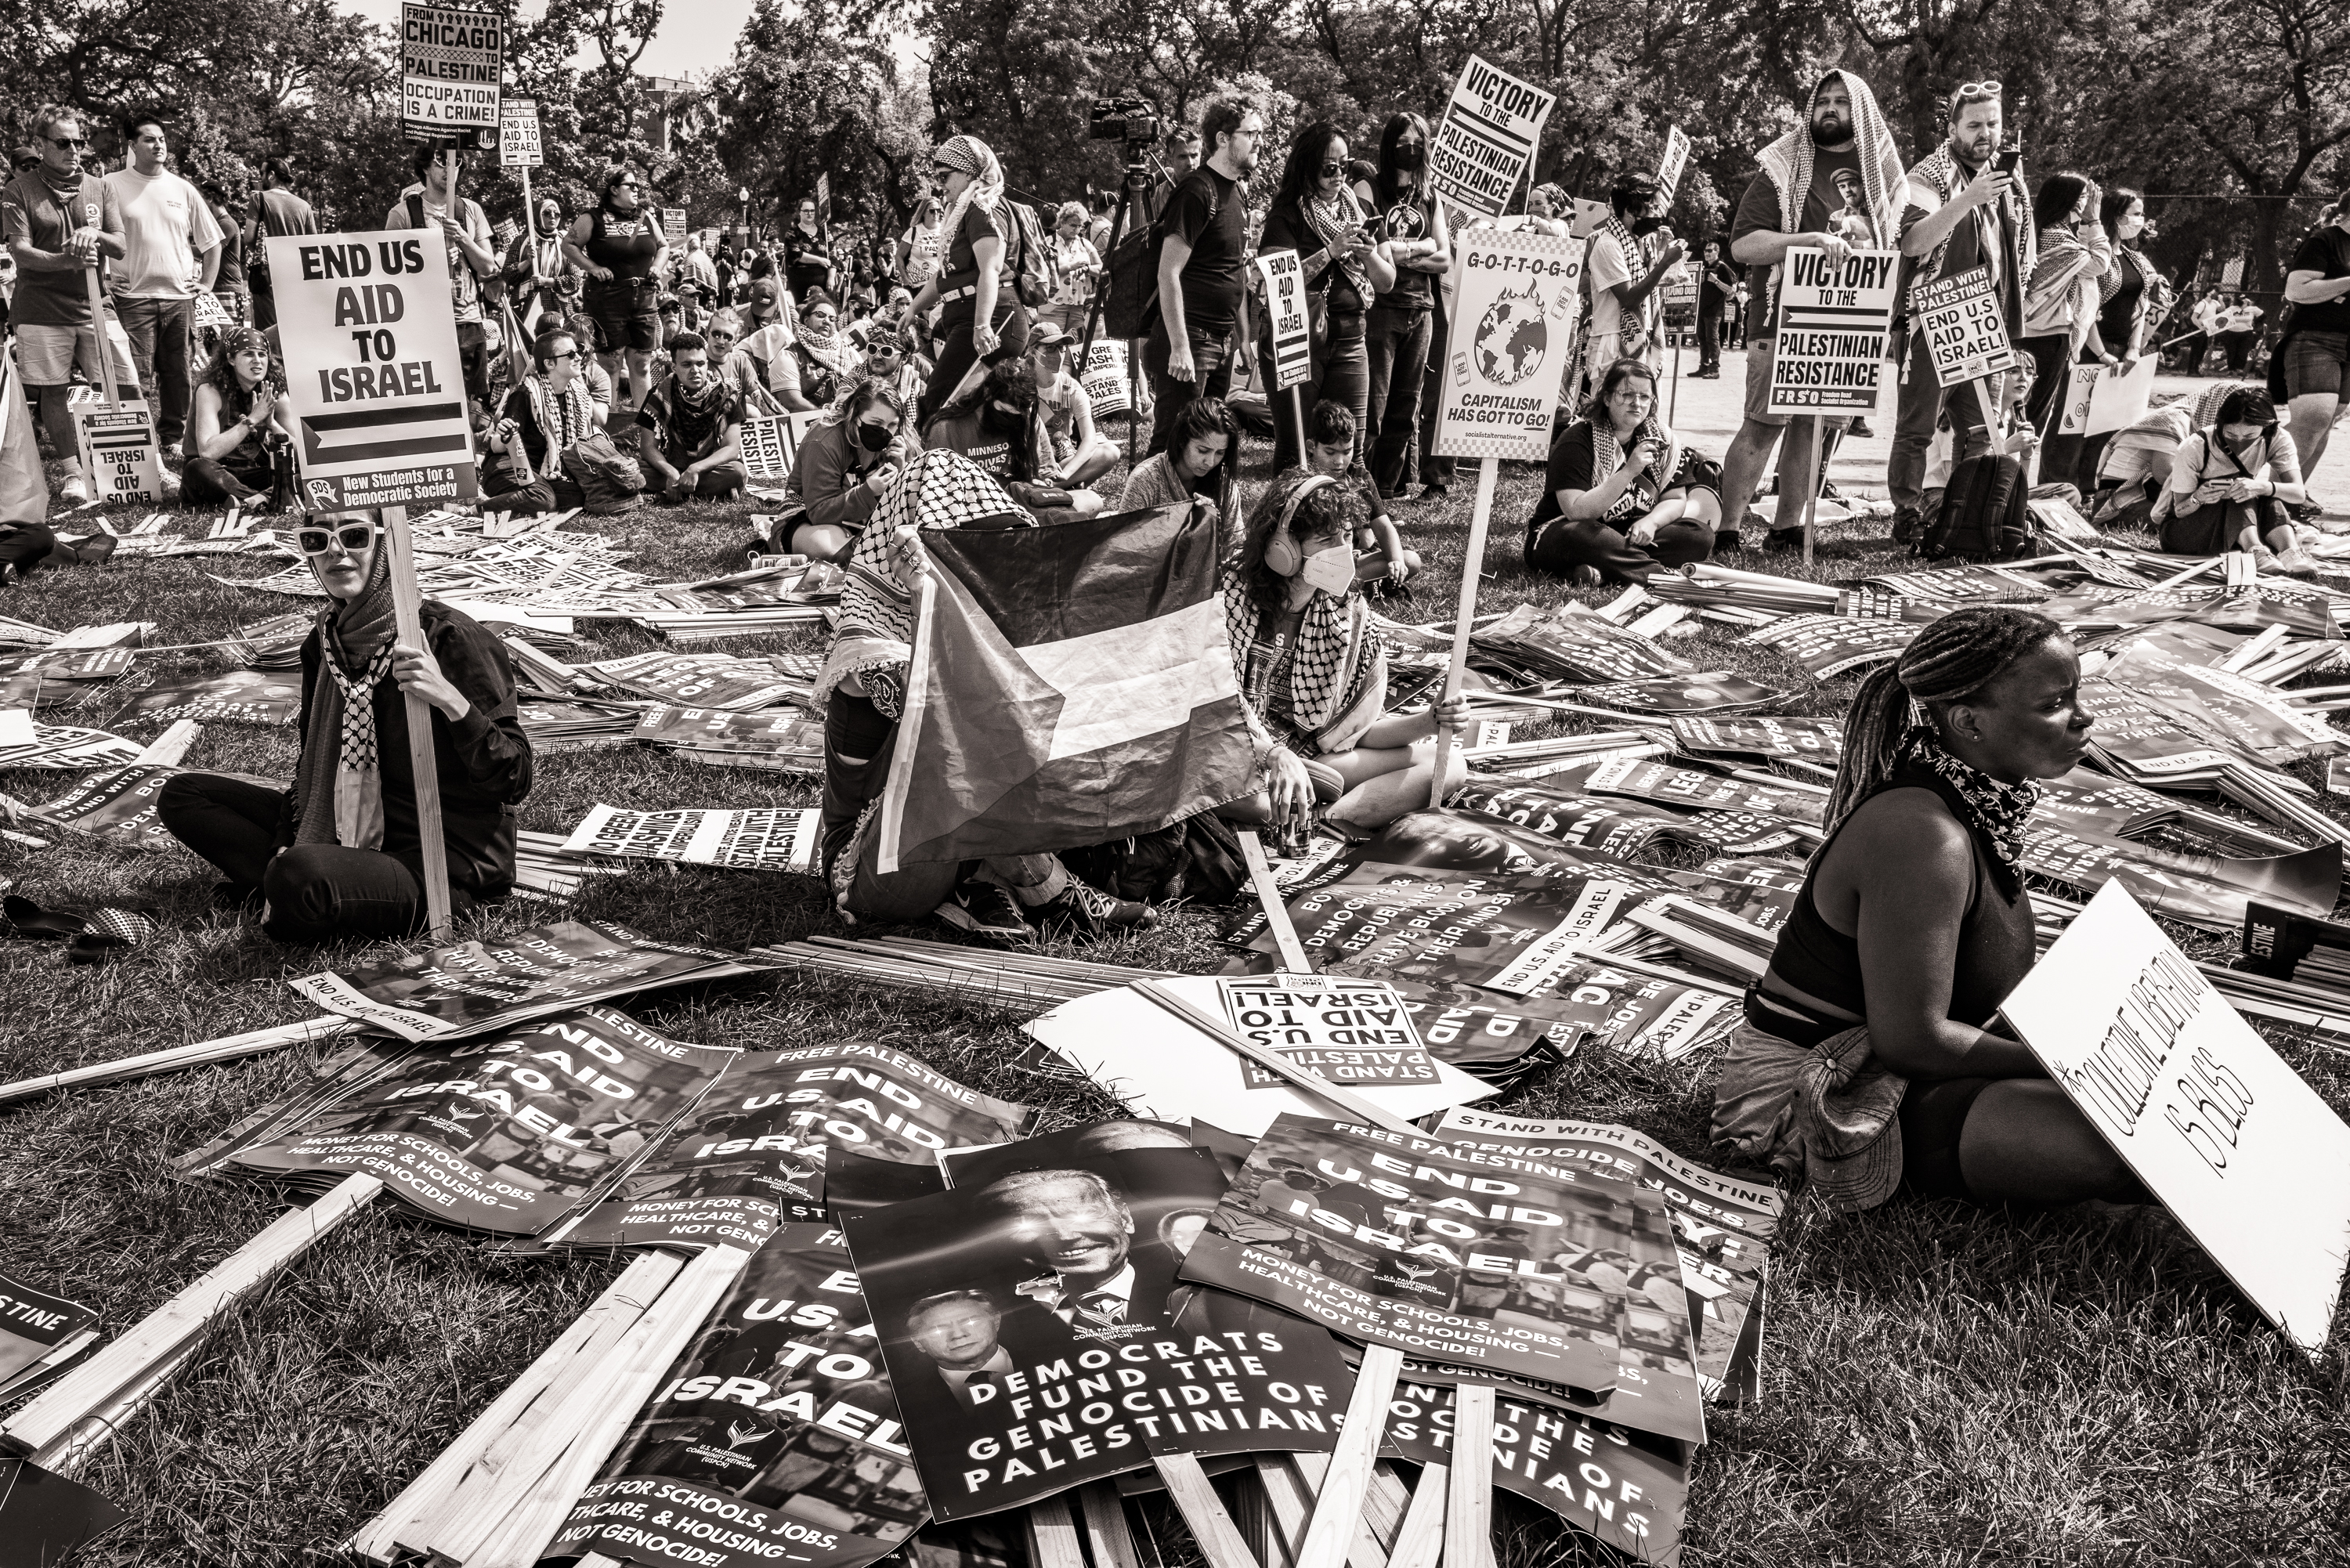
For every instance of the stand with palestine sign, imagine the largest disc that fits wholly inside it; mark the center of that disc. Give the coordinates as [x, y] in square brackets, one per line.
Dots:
[451, 63]
[1965, 333]
[1829, 349]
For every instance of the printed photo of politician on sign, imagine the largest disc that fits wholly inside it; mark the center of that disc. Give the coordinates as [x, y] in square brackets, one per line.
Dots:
[1037, 1336]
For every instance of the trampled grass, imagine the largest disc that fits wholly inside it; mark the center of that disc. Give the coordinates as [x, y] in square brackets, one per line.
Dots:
[1942, 1383]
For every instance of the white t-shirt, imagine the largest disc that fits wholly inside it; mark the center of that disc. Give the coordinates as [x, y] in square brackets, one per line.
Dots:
[1073, 264]
[2243, 317]
[2207, 314]
[1606, 267]
[168, 225]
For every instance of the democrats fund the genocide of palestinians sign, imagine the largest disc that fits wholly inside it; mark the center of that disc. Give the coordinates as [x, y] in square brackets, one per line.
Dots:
[1515, 296]
[371, 369]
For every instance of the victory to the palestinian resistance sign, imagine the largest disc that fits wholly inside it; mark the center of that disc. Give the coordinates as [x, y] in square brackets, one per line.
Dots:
[1488, 136]
[372, 370]
[1829, 352]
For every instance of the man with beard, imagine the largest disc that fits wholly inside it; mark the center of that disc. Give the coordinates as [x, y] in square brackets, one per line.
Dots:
[1624, 270]
[689, 428]
[1799, 199]
[1960, 212]
[1202, 261]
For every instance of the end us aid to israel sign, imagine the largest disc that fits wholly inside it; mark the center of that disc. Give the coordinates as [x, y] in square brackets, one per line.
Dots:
[372, 373]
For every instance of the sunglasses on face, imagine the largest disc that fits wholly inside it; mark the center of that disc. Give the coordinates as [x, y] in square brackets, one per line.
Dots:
[555, 359]
[352, 537]
[69, 141]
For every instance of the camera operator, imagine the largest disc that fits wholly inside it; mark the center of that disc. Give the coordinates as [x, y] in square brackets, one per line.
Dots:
[1202, 261]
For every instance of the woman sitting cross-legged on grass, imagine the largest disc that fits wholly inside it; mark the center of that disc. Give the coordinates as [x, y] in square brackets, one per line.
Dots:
[236, 424]
[1869, 1057]
[1621, 497]
[339, 855]
[1314, 671]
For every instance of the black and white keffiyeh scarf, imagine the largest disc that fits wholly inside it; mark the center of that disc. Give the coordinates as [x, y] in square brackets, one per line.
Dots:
[2000, 812]
[1334, 224]
[339, 794]
[1607, 456]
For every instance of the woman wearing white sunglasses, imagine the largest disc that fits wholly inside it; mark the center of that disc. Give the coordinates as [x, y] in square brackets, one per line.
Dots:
[339, 857]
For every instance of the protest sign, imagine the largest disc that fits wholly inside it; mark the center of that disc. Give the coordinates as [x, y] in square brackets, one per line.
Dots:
[1675, 160]
[2119, 400]
[1723, 1227]
[1037, 1336]
[721, 681]
[775, 1437]
[502, 1134]
[448, 992]
[1523, 1268]
[450, 62]
[788, 739]
[119, 806]
[119, 451]
[2232, 1139]
[1492, 129]
[270, 697]
[1965, 329]
[44, 1517]
[768, 449]
[1350, 1033]
[673, 225]
[1284, 304]
[1828, 355]
[754, 1153]
[1106, 379]
[754, 838]
[1628, 1487]
[1696, 788]
[1516, 299]
[373, 371]
[1569, 643]
[518, 143]
[59, 675]
[1832, 645]
[2205, 891]
[38, 1333]
[1811, 740]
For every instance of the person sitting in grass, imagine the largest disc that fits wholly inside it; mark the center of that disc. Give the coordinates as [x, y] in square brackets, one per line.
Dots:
[1872, 1056]
[1614, 501]
[1081, 453]
[689, 430]
[1001, 427]
[842, 470]
[1380, 558]
[1313, 671]
[1201, 455]
[2230, 484]
[337, 857]
[543, 416]
[236, 425]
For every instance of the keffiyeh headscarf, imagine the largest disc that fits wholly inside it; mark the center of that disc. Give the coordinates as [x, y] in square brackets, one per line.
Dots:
[1788, 161]
[338, 793]
[1329, 681]
[562, 417]
[2002, 811]
[1334, 224]
[975, 158]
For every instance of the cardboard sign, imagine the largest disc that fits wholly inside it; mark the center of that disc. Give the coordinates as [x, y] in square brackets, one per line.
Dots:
[120, 455]
[673, 225]
[2101, 398]
[519, 143]
[1285, 303]
[1490, 130]
[1349, 1032]
[1965, 329]
[1829, 349]
[754, 838]
[210, 312]
[768, 449]
[1516, 299]
[1676, 159]
[1106, 379]
[450, 62]
[2232, 1139]
[372, 370]
[34, 1326]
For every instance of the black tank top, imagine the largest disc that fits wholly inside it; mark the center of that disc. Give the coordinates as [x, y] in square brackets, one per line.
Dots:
[1812, 958]
[626, 245]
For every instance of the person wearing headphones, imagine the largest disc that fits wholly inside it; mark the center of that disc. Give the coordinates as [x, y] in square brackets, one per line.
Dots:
[1313, 671]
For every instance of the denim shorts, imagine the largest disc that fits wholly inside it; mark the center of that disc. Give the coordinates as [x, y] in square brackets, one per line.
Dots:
[2314, 365]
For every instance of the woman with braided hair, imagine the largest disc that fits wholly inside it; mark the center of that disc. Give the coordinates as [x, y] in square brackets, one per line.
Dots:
[1870, 1056]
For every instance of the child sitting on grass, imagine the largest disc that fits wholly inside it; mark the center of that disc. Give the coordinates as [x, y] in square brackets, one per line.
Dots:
[1380, 557]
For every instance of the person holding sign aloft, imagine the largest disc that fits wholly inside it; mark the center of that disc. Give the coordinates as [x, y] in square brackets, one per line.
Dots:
[337, 856]
[1873, 1055]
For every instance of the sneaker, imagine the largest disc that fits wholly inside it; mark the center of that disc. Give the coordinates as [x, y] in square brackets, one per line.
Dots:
[987, 912]
[1435, 490]
[1727, 543]
[1784, 539]
[73, 491]
[2303, 511]
[1909, 525]
[1859, 430]
[1088, 911]
[1584, 576]
[2295, 563]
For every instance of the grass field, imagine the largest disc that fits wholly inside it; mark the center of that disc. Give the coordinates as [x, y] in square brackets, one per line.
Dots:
[1942, 1383]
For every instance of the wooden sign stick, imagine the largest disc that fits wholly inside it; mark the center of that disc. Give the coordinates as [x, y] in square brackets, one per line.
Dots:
[1472, 565]
[1338, 1507]
[1102, 1512]
[1420, 1542]
[407, 611]
[1289, 1488]
[1221, 1541]
[1346, 1100]
[1469, 1496]
[105, 349]
[1276, 911]
[1051, 1534]
[1812, 477]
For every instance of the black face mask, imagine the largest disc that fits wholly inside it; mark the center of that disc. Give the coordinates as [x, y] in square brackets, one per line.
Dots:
[874, 438]
[1643, 227]
[1410, 157]
[1000, 421]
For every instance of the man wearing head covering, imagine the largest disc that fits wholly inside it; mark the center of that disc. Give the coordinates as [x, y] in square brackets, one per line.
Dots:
[1834, 182]
[1958, 212]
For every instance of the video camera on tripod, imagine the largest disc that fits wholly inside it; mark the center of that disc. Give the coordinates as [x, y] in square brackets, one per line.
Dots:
[1130, 118]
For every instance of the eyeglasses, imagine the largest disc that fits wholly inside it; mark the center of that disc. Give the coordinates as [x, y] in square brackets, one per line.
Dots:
[553, 359]
[70, 141]
[1977, 89]
[1331, 170]
[626, 185]
[352, 537]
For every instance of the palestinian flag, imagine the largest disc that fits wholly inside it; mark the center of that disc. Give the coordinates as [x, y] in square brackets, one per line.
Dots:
[1069, 685]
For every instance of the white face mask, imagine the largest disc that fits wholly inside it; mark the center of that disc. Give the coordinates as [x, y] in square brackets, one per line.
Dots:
[1331, 570]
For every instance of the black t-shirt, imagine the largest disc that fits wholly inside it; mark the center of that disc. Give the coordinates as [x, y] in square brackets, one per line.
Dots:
[1571, 467]
[1835, 177]
[1288, 228]
[1206, 214]
[1715, 284]
[2120, 309]
[683, 434]
[961, 266]
[1406, 215]
[2327, 252]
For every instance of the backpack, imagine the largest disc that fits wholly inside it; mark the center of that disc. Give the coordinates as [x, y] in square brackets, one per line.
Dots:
[1130, 296]
[1032, 277]
[1983, 516]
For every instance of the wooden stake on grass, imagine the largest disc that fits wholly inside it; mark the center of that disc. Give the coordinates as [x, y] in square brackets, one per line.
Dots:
[1221, 1542]
[98, 1386]
[166, 749]
[198, 1055]
[1338, 1506]
[1268, 896]
[1471, 565]
[1806, 496]
[1469, 1494]
[1420, 1542]
[408, 612]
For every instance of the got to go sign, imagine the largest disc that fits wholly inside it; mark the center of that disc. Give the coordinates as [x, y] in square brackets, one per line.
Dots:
[372, 372]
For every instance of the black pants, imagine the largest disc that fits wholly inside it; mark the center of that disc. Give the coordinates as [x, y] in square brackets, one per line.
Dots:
[547, 493]
[207, 481]
[2238, 347]
[959, 353]
[1563, 543]
[1709, 342]
[1212, 375]
[24, 545]
[315, 892]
